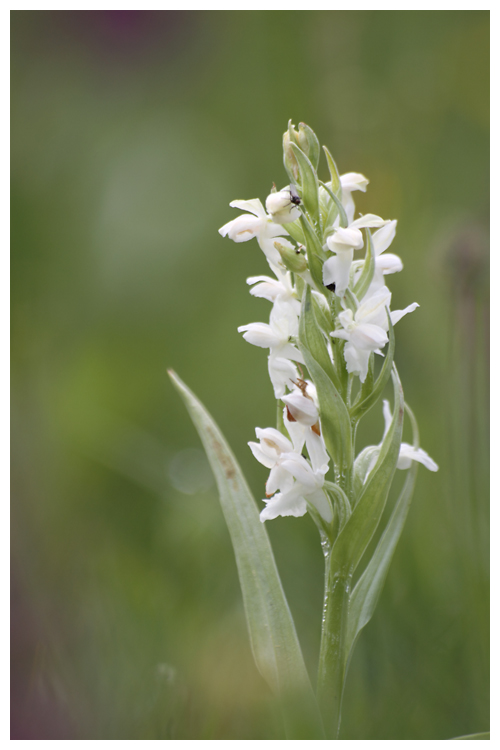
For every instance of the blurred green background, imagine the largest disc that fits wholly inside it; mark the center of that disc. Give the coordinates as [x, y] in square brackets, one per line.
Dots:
[131, 132]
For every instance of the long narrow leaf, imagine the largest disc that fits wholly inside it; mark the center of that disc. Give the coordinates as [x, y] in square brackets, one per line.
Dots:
[481, 736]
[367, 591]
[273, 638]
[315, 254]
[367, 386]
[356, 534]
[334, 173]
[313, 339]
[335, 422]
[366, 276]
[344, 222]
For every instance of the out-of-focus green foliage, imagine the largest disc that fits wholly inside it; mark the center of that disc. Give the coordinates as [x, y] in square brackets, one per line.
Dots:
[131, 132]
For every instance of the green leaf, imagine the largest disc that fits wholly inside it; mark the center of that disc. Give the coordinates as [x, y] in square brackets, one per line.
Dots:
[335, 422]
[311, 336]
[367, 591]
[295, 231]
[334, 173]
[350, 301]
[482, 736]
[369, 397]
[366, 387]
[366, 277]
[309, 184]
[335, 426]
[323, 317]
[358, 531]
[315, 253]
[344, 221]
[340, 503]
[361, 466]
[327, 207]
[273, 638]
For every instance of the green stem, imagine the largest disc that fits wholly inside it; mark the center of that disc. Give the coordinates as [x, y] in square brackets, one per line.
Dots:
[338, 350]
[331, 673]
[350, 378]
[280, 425]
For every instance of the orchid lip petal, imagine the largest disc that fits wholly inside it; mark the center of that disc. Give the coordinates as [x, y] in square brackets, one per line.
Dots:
[289, 503]
[369, 336]
[408, 453]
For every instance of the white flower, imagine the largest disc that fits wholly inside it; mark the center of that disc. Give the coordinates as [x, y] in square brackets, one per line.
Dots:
[281, 207]
[282, 373]
[384, 236]
[281, 292]
[301, 433]
[292, 499]
[276, 337]
[343, 242]
[301, 419]
[271, 289]
[353, 181]
[385, 263]
[301, 408]
[357, 361]
[272, 444]
[359, 331]
[257, 224]
[277, 453]
[366, 329]
[350, 182]
[268, 452]
[407, 453]
[291, 503]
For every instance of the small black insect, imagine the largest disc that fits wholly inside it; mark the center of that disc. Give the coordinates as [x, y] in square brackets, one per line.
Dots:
[294, 196]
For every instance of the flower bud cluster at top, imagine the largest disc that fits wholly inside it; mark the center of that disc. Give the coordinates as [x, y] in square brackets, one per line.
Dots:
[309, 235]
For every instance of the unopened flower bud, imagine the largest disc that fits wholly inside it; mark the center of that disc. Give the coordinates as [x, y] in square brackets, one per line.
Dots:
[292, 259]
[283, 206]
[308, 142]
